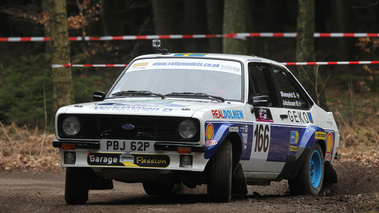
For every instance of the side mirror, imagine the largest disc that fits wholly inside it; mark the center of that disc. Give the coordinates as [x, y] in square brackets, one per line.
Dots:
[98, 96]
[261, 100]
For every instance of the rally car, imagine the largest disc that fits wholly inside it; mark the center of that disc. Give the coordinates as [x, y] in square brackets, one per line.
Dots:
[224, 120]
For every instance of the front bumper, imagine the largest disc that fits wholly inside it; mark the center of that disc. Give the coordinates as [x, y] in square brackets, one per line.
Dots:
[164, 156]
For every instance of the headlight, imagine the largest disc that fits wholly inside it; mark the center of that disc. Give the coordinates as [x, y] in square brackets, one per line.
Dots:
[187, 129]
[71, 126]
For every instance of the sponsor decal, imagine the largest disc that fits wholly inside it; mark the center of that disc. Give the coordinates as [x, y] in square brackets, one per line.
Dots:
[151, 160]
[263, 115]
[210, 143]
[293, 148]
[129, 160]
[244, 128]
[231, 68]
[329, 146]
[233, 129]
[103, 159]
[140, 65]
[193, 63]
[144, 160]
[227, 114]
[209, 133]
[190, 54]
[294, 137]
[299, 116]
[320, 135]
[244, 138]
[123, 108]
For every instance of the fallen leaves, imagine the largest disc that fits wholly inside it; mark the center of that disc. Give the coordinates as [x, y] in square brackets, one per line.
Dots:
[25, 150]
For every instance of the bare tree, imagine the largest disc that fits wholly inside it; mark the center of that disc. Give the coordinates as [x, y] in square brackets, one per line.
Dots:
[234, 22]
[214, 15]
[167, 21]
[63, 90]
[305, 51]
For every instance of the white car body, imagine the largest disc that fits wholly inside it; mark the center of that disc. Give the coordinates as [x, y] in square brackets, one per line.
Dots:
[268, 141]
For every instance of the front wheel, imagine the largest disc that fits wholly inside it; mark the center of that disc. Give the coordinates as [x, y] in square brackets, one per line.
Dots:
[76, 188]
[219, 186]
[311, 175]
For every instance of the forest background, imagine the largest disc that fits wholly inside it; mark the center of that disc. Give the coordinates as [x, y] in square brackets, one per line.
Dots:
[25, 67]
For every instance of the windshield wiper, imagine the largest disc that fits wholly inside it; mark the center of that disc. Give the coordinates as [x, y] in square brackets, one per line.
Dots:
[196, 94]
[134, 93]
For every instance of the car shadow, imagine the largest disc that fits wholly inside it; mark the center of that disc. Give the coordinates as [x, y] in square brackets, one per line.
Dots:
[178, 199]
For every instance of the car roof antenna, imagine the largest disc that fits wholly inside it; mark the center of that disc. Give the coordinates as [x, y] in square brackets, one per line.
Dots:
[157, 45]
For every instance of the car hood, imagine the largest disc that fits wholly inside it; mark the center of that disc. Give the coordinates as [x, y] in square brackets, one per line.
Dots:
[134, 106]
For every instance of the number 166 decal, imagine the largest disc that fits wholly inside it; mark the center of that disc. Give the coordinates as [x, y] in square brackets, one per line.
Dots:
[261, 141]
[261, 144]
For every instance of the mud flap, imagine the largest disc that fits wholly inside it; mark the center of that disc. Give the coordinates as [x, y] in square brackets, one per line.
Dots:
[330, 174]
[239, 186]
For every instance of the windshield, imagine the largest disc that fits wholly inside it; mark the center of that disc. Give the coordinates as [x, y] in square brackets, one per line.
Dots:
[182, 77]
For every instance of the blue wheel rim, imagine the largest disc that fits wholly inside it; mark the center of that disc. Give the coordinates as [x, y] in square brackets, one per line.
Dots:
[315, 169]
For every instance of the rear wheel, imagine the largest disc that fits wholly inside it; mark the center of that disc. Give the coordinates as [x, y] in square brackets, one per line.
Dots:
[77, 182]
[220, 174]
[311, 175]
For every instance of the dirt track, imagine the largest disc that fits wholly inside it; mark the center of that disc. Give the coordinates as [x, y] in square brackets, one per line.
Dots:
[357, 190]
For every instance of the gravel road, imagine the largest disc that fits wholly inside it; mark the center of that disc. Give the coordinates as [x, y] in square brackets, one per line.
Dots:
[357, 190]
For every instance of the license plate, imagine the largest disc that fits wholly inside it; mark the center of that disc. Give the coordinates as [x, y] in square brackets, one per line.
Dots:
[126, 146]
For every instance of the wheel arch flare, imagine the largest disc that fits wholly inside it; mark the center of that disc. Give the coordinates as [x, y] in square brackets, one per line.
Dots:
[216, 133]
[326, 139]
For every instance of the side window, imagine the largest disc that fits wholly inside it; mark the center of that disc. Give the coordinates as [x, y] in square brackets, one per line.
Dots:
[292, 95]
[261, 90]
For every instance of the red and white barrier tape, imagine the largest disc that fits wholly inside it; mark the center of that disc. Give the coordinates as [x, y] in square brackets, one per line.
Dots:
[330, 63]
[149, 37]
[88, 65]
[110, 38]
[293, 35]
[284, 63]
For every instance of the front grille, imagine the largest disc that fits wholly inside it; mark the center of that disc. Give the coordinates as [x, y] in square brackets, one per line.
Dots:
[145, 127]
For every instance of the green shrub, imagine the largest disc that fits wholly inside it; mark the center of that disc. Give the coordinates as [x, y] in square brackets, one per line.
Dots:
[26, 91]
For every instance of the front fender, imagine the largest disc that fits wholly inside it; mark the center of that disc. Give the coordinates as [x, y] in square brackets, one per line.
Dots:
[215, 134]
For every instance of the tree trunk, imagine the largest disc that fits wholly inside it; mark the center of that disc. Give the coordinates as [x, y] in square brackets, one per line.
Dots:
[167, 20]
[193, 22]
[308, 75]
[344, 18]
[214, 23]
[234, 22]
[63, 90]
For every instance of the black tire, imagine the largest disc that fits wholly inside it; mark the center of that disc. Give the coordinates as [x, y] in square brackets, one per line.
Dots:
[219, 186]
[77, 183]
[311, 176]
[159, 188]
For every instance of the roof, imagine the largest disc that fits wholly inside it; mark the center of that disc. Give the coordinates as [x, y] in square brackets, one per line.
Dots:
[242, 58]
